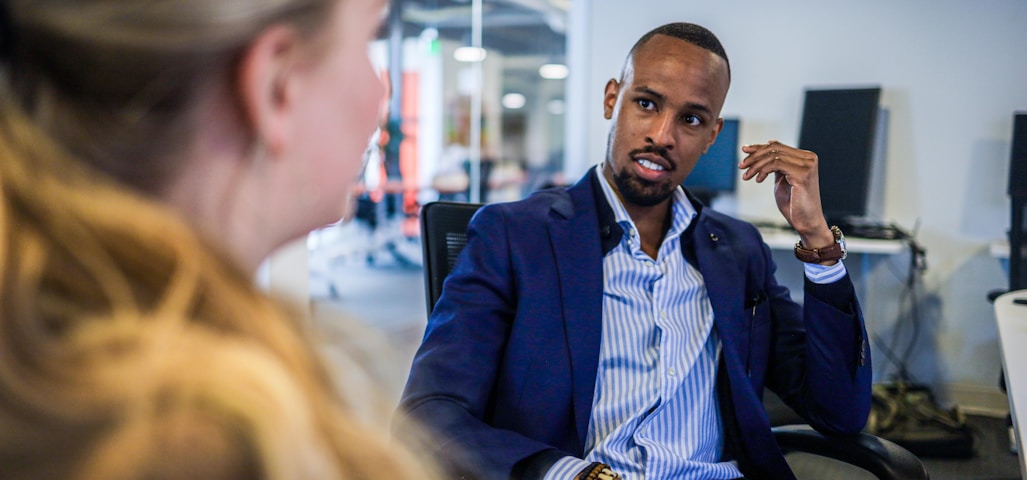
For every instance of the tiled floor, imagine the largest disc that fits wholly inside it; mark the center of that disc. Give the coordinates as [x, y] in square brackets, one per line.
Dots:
[991, 460]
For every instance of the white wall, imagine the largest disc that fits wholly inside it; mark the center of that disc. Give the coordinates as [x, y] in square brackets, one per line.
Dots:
[953, 73]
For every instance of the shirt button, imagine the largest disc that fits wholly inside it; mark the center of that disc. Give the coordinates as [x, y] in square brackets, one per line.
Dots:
[670, 372]
[663, 314]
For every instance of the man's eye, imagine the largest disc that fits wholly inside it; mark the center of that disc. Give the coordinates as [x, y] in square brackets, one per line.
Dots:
[646, 104]
[693, 120]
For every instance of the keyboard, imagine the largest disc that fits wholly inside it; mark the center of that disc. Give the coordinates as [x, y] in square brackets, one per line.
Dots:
[855, 228]
[870, 229]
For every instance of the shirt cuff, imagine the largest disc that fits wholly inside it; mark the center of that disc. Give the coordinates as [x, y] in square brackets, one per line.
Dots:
[824, 274]
[566, 468]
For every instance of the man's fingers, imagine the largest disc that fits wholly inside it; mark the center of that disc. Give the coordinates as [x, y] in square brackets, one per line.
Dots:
[762, 163]
[776, 157]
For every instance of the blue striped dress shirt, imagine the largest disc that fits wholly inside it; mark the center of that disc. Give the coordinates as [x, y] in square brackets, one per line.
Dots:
[655, 413]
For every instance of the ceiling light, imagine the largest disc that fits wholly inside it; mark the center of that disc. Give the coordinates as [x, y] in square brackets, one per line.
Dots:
[513, 101]
[469, 54]
[553, 71]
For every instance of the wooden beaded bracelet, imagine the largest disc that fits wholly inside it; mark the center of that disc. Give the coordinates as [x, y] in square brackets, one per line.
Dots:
[598, 471]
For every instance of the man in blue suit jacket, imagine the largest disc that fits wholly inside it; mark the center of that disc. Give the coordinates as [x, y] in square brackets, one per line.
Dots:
[515, 376]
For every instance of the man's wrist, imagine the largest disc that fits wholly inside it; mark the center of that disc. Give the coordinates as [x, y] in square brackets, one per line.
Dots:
[822, 238]
[823, 255]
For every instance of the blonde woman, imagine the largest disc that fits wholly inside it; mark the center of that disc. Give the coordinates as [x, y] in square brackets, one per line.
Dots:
[152, 153]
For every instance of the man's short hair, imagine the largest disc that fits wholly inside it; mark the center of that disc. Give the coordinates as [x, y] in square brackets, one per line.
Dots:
[695, 34]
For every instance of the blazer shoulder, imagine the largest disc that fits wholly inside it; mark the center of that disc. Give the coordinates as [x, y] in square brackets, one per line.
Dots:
[537, 206]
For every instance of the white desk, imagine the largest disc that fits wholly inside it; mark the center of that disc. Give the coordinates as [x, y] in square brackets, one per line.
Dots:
[1012, 334]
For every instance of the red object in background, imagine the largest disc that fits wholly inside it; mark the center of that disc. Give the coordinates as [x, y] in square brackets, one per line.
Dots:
[409, 161]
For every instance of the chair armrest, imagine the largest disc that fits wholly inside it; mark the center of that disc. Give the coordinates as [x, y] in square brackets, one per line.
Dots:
[883, 458]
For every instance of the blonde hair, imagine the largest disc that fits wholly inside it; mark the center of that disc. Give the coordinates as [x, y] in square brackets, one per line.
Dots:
[129, 347]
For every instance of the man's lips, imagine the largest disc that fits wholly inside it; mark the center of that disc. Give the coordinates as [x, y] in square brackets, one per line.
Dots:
[650, 165]
[652, 161]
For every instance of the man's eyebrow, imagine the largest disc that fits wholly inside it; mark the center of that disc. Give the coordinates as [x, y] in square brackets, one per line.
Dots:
[700, 107]
[659, 96]
[652, 93]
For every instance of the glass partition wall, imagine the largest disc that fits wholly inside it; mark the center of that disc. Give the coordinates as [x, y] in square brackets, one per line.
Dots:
[474, 112]
[480, 95]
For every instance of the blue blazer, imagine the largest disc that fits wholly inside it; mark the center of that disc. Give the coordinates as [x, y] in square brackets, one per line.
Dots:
[505, 376]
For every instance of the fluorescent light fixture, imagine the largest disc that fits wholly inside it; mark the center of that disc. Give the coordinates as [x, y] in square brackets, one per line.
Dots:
[470, 54]
[513, 101]
[553, 71]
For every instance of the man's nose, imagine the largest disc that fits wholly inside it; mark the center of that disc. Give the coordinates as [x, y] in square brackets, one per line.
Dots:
[661, 132]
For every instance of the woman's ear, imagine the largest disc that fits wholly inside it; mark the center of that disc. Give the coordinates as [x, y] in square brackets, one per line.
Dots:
[266, 88]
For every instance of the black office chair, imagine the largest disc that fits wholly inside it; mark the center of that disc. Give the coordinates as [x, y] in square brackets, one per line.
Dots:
[444, 235]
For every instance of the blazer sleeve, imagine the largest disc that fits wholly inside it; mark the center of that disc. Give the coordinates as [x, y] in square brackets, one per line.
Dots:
[454, 373]
[820, 365]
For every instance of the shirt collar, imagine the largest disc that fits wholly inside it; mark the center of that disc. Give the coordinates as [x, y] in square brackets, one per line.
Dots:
[682, 209]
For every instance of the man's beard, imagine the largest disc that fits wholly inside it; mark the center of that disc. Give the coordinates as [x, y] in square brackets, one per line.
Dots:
[641, 192]
[632, 189]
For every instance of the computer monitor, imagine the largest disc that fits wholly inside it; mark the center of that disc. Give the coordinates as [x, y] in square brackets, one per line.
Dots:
[716, 171]
[840, 127]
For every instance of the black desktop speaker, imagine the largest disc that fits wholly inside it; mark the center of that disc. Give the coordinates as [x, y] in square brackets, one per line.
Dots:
[1018, 201]
[1018, 157]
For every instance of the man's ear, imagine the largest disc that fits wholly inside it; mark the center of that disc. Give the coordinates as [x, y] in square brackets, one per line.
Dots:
[610, 98]
[713, 136]
[266, 88]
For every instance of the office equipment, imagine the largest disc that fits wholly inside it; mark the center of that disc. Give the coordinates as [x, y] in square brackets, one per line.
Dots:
[444, 225]
[1018, 156]
[1018, 200]
[717, 171]
[847, 130]
[841, 126]
[856, 228]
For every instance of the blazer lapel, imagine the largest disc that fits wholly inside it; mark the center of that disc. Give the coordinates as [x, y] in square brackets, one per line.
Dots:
[575, 234]
[725, 284]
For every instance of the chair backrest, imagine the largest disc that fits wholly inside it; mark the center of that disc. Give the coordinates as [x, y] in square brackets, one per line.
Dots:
[443, 236]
